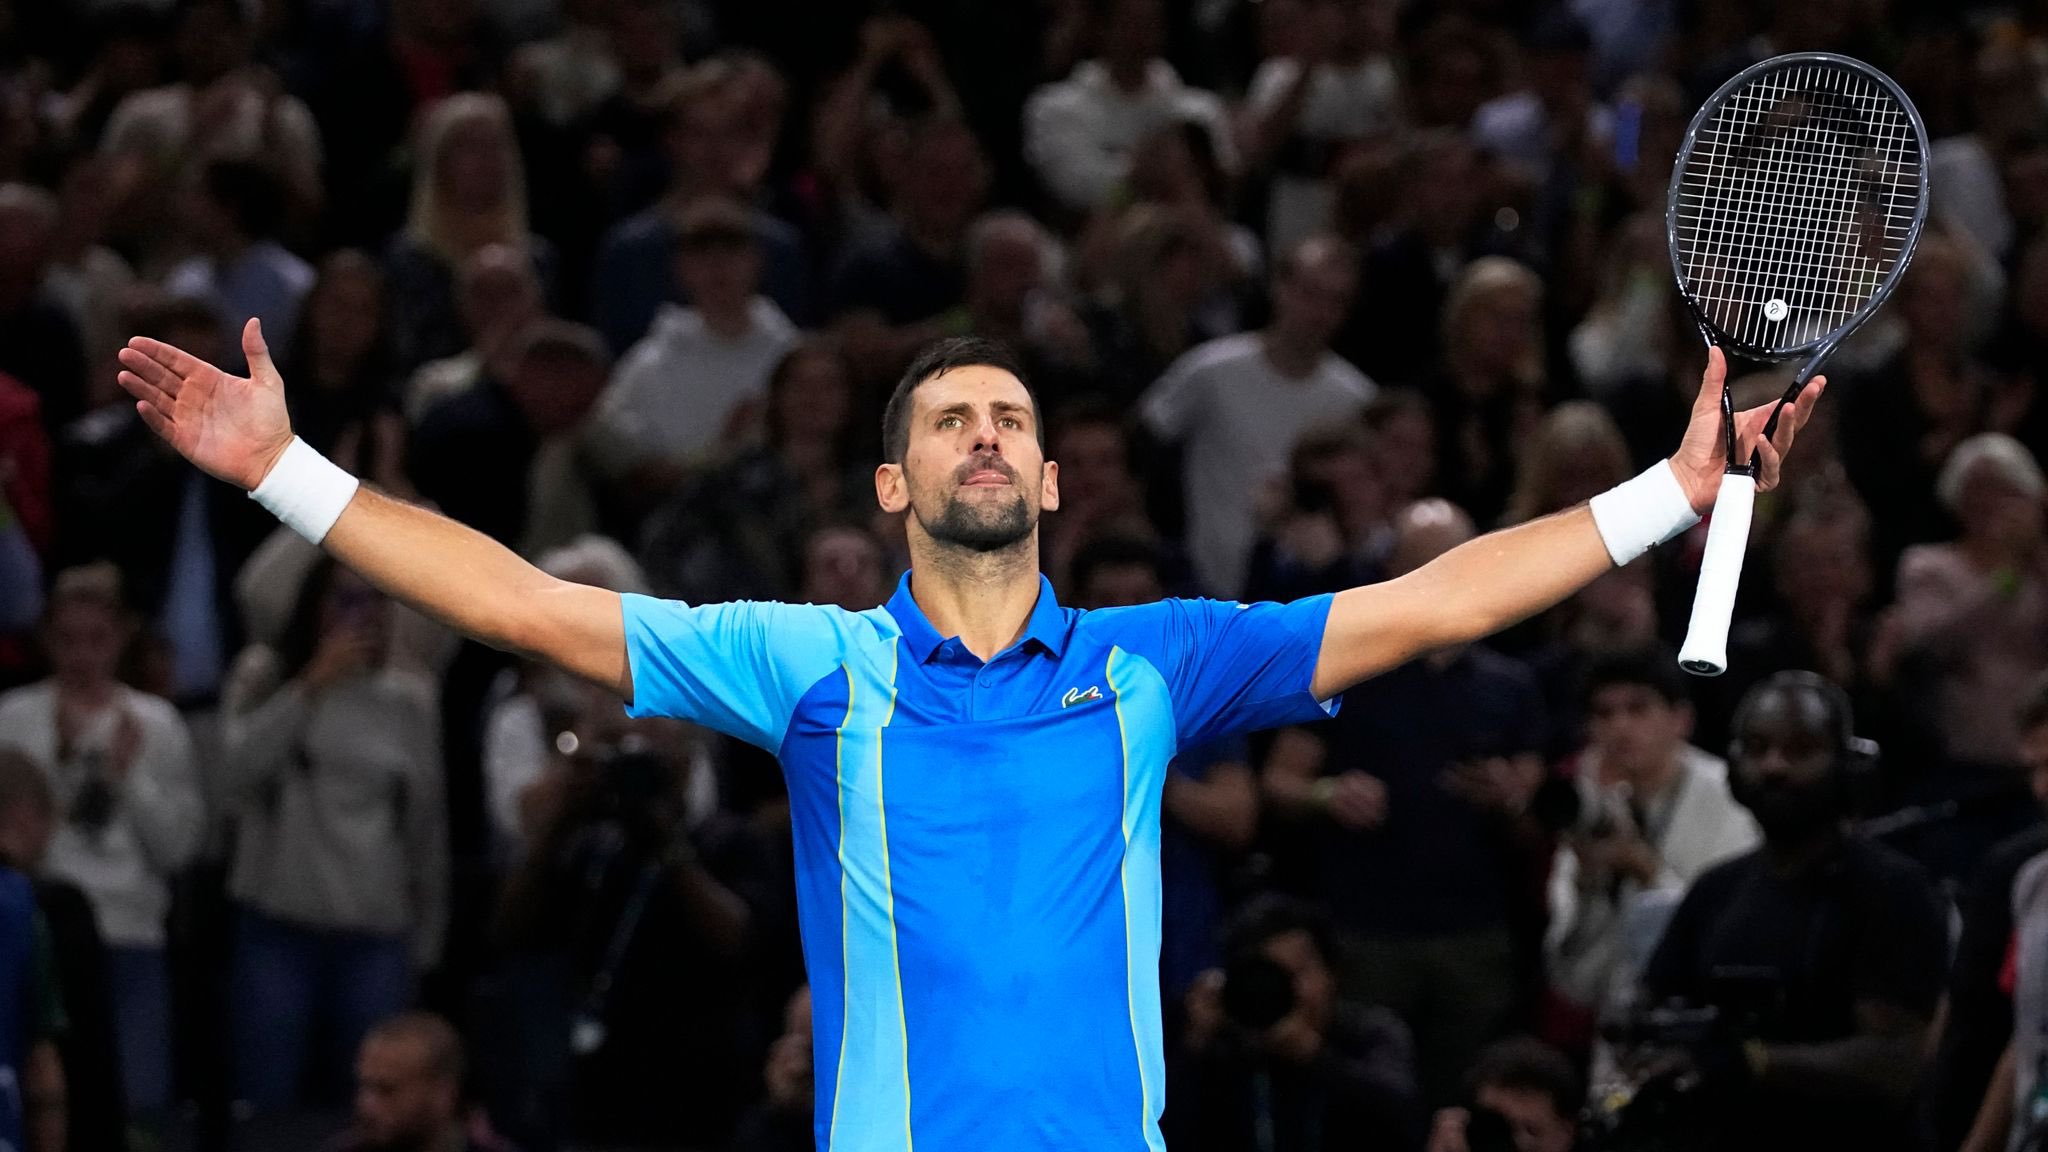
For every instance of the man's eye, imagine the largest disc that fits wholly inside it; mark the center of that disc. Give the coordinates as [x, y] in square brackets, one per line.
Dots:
[1011, 422]
[949, 421]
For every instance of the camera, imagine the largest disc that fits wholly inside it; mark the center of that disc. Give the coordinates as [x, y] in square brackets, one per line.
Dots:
[1257, 993]
[1673, 1082]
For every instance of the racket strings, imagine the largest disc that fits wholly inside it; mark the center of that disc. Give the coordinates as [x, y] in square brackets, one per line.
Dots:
[1795, 206]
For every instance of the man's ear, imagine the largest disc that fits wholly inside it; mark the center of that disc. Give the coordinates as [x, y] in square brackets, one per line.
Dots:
[1049, 487]
[892, 491]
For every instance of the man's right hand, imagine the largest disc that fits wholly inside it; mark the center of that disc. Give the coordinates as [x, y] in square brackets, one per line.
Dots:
[232, 427]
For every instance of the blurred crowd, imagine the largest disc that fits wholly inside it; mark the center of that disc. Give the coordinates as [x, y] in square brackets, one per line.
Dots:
[1310, 291]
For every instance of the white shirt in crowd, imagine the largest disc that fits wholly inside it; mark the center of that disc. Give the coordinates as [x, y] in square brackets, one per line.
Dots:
[1079, 132]
[158, 813]
[673, 392]
[1238, 419]
[1696, 825]
[1344, 103]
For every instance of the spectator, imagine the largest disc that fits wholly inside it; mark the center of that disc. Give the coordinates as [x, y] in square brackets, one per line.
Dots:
[707, 142]
[860, 132]
[1079, 132]
[843, 566]
[1829, 947]
[499, 297]
[467, 192]
[1555, 117]
[1494, 382]
[1210, 807]
[1525, 1094]
[94, 1113]
[40, 344]
[1576, 454]
[1412, 802]
[409, 1091]
[1655, 812]
[1402, 433]
[1165, 269]
[908, 284]
[86, 276]
[1302, 112]
[505, 456]
[1977, 1023]
[1277, 1058]
[1099, 494]
[1013, 298]
[738, 532]
[684, 393]
[340, 868]
[1239, 403]
[232, 215]
[341, 388]
[625, 131]
[1335, 528]
[120, 765]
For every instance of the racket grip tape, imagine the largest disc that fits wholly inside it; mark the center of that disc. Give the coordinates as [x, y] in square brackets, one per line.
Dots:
[1713, 605]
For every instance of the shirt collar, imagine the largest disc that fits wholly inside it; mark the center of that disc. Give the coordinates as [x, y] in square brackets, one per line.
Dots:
[1047, 626]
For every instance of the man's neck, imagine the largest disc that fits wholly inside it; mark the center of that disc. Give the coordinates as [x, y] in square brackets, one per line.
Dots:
[1790, 859]
[85, 693]
[1130, 76]
[984, 598]
[1295, 359]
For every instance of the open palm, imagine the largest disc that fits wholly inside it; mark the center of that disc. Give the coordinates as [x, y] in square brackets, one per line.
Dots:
[1702, 455]
[233, 427]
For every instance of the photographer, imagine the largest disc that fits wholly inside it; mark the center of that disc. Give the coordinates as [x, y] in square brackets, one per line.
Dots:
[1525, 1097]
[1273, 1060]
[642, 899]
[1822, 952]
[1655, 812]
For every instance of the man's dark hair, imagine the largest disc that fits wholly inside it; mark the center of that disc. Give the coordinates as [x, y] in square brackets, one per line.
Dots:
[1270, 915]
[1652, 666]
[937, 359]
[1113, 551]
[1527, 1064]
[2033, 710]
[438, 1039]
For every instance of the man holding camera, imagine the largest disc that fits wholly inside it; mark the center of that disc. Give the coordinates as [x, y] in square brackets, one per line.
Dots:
[1821, 952]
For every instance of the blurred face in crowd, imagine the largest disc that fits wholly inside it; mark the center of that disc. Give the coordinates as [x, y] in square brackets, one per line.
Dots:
[707, 143]
[210, 41]
[476, 165]
[25, 238]
[843, 566]
[1096, 462]
[1122, 585]
[1424, 531]
[1500, 330]
[84, 642]
[1404, 444]
[346, 306]
[2000, 510]
[1784, 763]
[1312, 297]
[1933, 295]
[1455, 80]
[352, 605]
[720, 271]
[812, 400]
[1637, 731]
[643, 37]
[401, 1100]
[499, 291]
[1133, 31]
[947, 180]
[1008, 266]
[973, 475]
[555, 387]
[1533, 1119]
[1822, 562]
[1315, 988]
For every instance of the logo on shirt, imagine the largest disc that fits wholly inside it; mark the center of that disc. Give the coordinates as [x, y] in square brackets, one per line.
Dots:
[1079, 696]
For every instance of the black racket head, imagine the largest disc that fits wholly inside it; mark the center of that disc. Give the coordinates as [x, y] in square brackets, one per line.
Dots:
[1796, 201]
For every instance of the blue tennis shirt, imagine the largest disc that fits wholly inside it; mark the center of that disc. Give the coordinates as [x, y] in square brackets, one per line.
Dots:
[977, 844]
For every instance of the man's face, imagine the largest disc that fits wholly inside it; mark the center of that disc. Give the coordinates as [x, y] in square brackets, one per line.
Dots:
[1094, 458]
[85, 643]
[1314, 986]
[400, 1103]
[1312, 298]
[1532, 1118]
[1786, 764]
[1010, 267]
[720, 274]
[845, 568]
[1636, 730]
[973, 475]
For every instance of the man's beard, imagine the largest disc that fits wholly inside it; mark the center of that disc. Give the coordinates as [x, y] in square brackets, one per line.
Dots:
[1791, 813]
[980, 527]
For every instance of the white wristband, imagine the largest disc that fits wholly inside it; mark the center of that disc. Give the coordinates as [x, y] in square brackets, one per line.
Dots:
[306, 490]
[1637, 515]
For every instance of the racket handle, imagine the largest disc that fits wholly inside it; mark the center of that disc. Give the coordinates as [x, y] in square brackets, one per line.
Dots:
[1713, 605]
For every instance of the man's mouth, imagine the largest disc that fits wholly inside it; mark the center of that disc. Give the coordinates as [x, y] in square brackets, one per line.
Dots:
[986, 478]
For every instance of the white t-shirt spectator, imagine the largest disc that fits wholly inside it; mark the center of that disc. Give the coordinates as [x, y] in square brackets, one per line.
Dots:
[1238, 419]
[1344, 103]
[1079, 132]
[673, 393]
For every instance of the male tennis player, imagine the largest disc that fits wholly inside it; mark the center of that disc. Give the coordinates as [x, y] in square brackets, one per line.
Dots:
[974, 771]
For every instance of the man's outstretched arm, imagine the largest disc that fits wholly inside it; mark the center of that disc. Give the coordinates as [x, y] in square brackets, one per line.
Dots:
[236, 428]
[1490, 583]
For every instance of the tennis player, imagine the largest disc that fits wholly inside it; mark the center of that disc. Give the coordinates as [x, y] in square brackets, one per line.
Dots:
[974, 771]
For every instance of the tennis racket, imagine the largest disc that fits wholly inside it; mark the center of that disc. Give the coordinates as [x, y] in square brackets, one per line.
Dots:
[1796, 200]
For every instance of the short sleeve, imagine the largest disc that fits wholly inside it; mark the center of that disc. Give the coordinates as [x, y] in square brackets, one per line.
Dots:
[737, 668]
[1237, 668]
